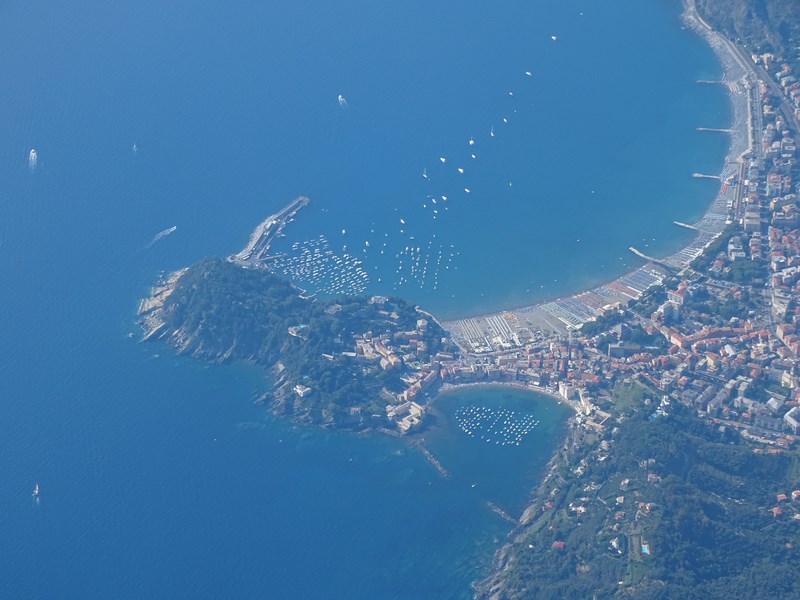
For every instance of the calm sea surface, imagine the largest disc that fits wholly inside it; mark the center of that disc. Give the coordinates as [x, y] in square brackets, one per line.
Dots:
[158, 476]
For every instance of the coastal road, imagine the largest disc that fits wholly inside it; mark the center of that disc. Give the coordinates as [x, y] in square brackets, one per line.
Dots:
[785, 105]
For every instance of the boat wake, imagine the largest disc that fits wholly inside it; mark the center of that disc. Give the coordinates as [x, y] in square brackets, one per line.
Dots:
[161, 235]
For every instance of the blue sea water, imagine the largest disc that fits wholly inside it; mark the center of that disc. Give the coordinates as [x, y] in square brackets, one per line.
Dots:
[158, 476]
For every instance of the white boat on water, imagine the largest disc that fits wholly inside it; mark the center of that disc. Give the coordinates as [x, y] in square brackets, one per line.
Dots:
[162, 234]
[491, 132]
[425, 172]
[33, 159]
[36, 491]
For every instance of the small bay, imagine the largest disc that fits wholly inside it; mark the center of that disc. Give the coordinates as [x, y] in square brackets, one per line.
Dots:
[496, 440]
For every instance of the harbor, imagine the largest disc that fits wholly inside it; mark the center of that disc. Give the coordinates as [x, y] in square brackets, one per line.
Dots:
[266, 231]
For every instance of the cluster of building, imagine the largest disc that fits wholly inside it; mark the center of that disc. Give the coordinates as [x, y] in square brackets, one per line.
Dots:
[744, 372]
[784, 76]
[728, 336]
[720, 335]
[724, 340]
[403, 352]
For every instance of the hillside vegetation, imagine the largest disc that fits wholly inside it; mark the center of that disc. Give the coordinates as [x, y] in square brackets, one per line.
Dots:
[221, 312]
[760, 24]
[664, 507]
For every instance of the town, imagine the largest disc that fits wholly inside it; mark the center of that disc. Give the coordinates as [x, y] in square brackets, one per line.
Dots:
[713, 327]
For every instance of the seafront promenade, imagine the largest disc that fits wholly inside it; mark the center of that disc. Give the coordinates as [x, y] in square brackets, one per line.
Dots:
[515, 327]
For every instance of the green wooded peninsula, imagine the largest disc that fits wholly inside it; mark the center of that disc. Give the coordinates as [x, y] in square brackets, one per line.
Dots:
[337, 362]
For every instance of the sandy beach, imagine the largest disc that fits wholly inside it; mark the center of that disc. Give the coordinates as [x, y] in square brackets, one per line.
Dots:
[514, 327]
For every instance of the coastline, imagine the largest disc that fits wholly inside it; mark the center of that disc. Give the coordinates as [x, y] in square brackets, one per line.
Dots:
[563, 314]
[725, 206]
[565, 442]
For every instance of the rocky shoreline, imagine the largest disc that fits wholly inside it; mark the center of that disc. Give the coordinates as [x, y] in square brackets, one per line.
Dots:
[150, 308]
[491, 587]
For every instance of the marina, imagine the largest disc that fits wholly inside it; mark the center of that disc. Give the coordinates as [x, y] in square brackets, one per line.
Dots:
[501, 427]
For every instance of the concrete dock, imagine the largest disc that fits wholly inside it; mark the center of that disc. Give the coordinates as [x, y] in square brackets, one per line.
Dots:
[266, 231]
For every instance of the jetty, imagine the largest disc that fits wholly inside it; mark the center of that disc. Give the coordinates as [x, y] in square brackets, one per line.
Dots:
[686, 225]
[432, 459]
[713, 129]
[656, 261]
[266, 231]
[641, 254]
[704, 176]
[501, 513]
